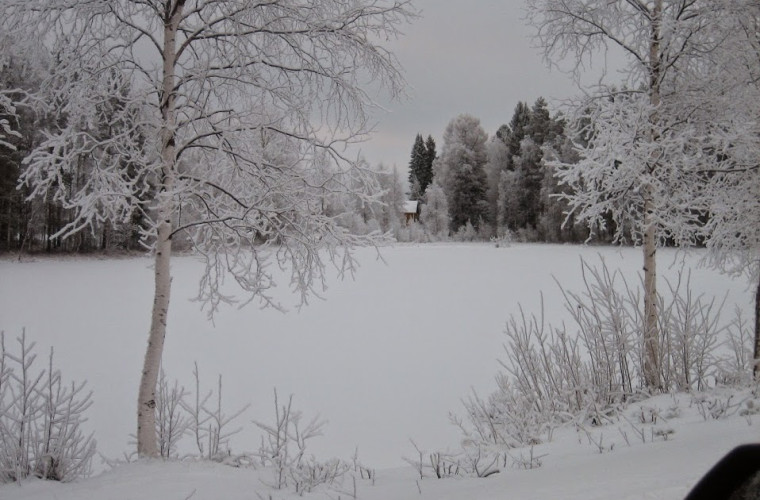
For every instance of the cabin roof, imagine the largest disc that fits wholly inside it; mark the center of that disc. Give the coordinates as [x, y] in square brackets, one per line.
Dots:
[410, 207]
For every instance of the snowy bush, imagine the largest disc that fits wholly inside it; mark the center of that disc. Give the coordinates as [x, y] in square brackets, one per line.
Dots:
[41, 419]
[283, 449]
[586, 371]
[181, 413]
[471, 460]
[413, 232]
[736, 368]
[466, 232]
[171, 421]
[503, 239]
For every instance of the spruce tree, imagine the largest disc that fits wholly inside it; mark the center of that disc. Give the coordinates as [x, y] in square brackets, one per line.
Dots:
[508, 198]
[541, 130]
[517, 130]
[521, 202]
[468, 197]
[417, 167]
[426, 176]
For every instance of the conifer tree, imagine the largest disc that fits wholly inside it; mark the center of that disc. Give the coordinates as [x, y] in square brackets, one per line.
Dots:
[426, 176]
[540, 130]
[516, 131]
[468, 197]
[417, 165]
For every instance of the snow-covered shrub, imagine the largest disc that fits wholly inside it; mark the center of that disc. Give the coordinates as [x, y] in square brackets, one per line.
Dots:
[180, 413]
[467, 232]
[692, 332]
[503, 238]
[736, 368]
[172, 422]
[41, 419]
[437, 464]
[413, 232]
[717, 405]
[283, 449]
[588, 369]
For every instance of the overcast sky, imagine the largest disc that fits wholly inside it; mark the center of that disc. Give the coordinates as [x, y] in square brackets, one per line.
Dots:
[463, 57]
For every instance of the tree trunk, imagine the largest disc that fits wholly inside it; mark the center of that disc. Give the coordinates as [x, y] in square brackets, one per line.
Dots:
[756, 353]
[147, 445]
[651, 327]
[651, 346]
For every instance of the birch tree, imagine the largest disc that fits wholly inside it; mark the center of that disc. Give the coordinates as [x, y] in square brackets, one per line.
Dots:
[726, 87]
[229, 103]
[657, 37]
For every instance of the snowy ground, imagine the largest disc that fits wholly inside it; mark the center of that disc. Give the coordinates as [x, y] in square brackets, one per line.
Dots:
[571, 470]
[384, 358]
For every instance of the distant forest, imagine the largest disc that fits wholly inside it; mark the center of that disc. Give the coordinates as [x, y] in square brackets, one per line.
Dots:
[475, 188]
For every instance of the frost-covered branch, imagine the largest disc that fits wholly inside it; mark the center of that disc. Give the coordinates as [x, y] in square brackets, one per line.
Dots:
[217, 122]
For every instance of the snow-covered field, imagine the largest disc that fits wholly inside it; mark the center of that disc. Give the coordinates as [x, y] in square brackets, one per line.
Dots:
[384, 358]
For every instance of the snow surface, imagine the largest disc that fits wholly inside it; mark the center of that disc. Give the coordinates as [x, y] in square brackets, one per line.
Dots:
[384, 358]
[572, 470]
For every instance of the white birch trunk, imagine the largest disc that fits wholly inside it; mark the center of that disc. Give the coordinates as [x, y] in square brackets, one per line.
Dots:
[756, 353]
[147, 445]
[651, 328]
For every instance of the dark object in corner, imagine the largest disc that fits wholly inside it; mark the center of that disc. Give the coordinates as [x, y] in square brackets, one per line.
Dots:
[735, 477]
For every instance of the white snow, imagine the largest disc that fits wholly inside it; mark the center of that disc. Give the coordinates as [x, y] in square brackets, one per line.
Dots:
[384, 358]
[410, 206]
[572, 470]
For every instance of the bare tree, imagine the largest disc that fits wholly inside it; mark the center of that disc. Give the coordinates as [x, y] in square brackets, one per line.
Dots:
[658, 38]
[223, 108]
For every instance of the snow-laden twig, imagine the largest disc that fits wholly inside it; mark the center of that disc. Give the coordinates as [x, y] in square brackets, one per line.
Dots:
[41, 419]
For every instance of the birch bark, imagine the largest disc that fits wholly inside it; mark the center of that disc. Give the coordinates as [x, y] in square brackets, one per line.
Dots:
[756, 354]
[651, 335]
[147, 445]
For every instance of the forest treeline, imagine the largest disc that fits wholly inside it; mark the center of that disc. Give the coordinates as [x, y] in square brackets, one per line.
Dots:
[475, 188]
[31, 221]
[503, 186]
